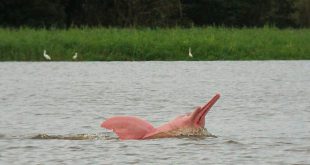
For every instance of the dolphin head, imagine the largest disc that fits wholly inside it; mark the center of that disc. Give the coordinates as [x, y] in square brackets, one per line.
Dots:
[190, 124]
[196, 118]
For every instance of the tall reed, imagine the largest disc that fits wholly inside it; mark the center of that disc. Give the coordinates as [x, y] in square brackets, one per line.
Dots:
[110, 44]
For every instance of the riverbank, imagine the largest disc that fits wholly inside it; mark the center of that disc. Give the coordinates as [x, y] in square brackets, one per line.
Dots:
[112, 44]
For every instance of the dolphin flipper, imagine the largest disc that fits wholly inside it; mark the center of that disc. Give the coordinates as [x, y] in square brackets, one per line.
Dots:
[128, 127]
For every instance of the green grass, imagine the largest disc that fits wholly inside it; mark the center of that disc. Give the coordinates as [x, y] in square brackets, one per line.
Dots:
[112, 44]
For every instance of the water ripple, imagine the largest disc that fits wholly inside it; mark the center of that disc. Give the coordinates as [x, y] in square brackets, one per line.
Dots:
[50, 113]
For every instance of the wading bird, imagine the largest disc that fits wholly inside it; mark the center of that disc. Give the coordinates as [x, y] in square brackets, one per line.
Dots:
[46, 56]
[75, 56]
[190, 53]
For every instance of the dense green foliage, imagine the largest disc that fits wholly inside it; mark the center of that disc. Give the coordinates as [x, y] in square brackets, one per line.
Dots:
[108, 44]
[154, 13]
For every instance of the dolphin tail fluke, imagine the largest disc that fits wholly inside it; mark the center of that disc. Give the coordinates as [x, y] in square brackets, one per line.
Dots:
[128, 127]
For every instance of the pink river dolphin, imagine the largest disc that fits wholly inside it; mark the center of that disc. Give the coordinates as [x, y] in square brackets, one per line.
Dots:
[190, 124]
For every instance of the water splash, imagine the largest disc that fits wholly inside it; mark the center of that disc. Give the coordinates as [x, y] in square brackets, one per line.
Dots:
[73, 137]
[197, 132]
[187, 132]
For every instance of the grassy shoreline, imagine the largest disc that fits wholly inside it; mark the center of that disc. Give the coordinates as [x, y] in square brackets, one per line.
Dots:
[112, 44]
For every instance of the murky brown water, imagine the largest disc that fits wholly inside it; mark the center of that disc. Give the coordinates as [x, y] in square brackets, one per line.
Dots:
[50, 113]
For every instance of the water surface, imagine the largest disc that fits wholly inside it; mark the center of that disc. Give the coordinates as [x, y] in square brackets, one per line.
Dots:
[50, 112]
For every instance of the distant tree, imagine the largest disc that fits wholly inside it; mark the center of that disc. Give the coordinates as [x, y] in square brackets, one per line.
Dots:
[88, 12]
[246, 12]
[239, 12]
[147, 12]
[35, 13]
[282, 13]
[303, 13]
[153, 13]
[224, 12]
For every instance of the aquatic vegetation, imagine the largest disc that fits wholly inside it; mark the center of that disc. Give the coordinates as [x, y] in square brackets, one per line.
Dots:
[116, 44]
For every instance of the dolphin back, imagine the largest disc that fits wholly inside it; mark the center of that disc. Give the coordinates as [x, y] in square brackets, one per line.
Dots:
[128, 127]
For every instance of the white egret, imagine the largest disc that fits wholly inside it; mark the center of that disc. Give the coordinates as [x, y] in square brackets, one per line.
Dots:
[46, 56]
[190, 52]
[75, 56]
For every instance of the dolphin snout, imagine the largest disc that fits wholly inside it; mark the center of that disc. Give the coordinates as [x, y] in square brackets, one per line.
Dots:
[199, 114]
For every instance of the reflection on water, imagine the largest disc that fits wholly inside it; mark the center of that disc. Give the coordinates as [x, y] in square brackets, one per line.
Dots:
[261, 118]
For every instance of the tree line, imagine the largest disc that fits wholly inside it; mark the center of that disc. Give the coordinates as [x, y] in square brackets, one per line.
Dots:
[154, 13]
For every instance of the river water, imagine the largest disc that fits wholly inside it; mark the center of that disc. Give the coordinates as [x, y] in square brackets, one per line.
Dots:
[50, 112]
